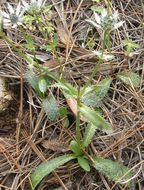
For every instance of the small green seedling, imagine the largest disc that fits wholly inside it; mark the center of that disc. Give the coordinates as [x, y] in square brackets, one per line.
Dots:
[78, 147]
[87, 99]
[129, 46]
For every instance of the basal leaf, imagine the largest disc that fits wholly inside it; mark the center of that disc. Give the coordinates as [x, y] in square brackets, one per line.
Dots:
[94, 94]
[88, 135]
[47, 167]
[42, 83]
[95, 118]
[50, 107]
[129, 78]
[75, 148]
[83, 162]
[32, 80]
[67, 89]
[112, 170]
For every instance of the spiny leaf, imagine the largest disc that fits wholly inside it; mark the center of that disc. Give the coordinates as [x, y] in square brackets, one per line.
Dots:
[75, 148]
[112, 170]
[94, 94]
[129, 78]
[32, 80]
[83, 162]
[88, 135]
[95, 118]
[50, 107]
[47, 167]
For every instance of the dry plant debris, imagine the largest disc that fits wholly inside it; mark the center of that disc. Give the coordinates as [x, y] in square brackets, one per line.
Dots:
[28, 138]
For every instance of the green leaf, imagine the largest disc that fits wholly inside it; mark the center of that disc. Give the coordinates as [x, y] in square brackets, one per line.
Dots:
[94, 94]
[63, 111]
[130, 45]
[83, 162]
[28, 20]
[90, 131]
[32, 80]
[97, 9]
[42, 83]
[88, 135]
[75, 148]
[50, 75]
[67, 89]
[47, 167]
[129, 78]
[51, 46]
[50, 107]
[112, 170]
[29, 43]
[47, 9]
[95, 118]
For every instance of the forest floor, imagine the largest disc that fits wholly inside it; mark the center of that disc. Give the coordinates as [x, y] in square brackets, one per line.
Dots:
[28, 137]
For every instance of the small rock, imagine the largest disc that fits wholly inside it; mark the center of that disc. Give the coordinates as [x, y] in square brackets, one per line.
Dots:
[5, 95]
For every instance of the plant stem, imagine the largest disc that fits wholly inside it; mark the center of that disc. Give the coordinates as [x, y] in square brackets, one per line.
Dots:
[108, 7]
[78, 119]
[109, 42]
[61, 66]
[15, 48]
[109, 50]
[96, 69]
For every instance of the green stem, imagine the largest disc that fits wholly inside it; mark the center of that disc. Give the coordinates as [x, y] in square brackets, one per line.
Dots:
[25, 35]
[109, 50]
[15, 48]
[96, 69]
[61, 66]
[78, 135]
[109, 43]
[108, 7]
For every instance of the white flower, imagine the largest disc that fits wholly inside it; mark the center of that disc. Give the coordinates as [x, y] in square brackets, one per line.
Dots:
[106, 22]
[35, 5]
[106, 57]
[14, 16]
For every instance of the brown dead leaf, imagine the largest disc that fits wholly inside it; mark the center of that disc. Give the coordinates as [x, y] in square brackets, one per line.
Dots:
[73, 106]
[64, 36]
[55, 145]
[51, 63]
